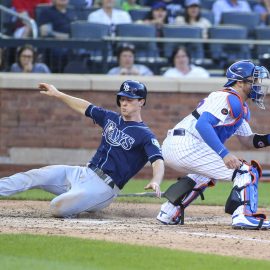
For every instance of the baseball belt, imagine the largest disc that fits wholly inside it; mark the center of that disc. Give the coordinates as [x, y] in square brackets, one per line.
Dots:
[102, 175]
[196, 114]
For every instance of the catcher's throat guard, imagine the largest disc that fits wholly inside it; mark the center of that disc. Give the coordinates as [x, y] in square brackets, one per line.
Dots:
[177, 192]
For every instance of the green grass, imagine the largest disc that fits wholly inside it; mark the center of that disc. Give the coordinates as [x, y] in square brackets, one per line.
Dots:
[47, 252]
[213, 196]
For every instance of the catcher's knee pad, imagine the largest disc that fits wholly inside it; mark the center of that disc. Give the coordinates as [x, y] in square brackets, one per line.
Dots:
[245, 190]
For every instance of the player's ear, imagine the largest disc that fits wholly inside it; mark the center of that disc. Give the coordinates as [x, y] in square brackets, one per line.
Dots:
[142, 101]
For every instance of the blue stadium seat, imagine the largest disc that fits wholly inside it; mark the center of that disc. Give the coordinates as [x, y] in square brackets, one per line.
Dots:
[88, 30]
[207, 4]
[174, 31]
[208, 14]
[262, 33]
[95, 32]
[83, 13]
[224, 52]
[250, 20]
[143, 49]
[139, 14]
[78, 3]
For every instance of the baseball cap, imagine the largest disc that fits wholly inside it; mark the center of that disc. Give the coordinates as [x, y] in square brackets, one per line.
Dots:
[189, 3]
[159, 5]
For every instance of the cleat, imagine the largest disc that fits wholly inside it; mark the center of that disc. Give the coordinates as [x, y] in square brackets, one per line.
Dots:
[169, 214]
[250, 223]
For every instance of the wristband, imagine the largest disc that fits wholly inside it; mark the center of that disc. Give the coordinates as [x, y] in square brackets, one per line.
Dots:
[261, 140]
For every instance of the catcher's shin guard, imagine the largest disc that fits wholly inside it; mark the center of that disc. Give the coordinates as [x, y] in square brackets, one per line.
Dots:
[242, 203]
[179, 190]
[180, 195]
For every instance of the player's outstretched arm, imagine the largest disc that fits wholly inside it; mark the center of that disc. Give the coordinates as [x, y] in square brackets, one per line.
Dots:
[158, 174]
[77, 104]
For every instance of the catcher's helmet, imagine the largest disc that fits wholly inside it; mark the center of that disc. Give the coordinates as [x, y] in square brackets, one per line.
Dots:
[242, 71]
[131, 89]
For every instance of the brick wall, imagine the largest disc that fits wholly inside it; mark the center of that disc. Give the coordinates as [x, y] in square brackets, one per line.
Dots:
[28, 119]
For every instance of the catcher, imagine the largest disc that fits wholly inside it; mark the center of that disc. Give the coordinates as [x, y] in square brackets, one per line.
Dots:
[196, 145]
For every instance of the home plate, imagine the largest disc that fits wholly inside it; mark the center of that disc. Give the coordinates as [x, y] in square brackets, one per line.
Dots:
[89, 221]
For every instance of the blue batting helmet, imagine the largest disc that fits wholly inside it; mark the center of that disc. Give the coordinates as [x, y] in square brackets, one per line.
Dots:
[247, 71]
[132, 89]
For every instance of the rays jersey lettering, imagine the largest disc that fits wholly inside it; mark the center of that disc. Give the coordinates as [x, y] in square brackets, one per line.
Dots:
[116, 137]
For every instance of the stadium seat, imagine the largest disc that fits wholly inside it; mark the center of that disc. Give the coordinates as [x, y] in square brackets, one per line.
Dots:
[262, 33]
[173, 31]
[207, 4]
[78, 3]
[223, 53]
[250, 20]
[208, 14]
[92, 32]
[77, 66]
[139, 14]
[83, 13]
[88, 30]
[143, 49]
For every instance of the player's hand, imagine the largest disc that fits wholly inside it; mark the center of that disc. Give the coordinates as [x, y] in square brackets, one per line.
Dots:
[28, 67]
[232, 162]
[49, 90]
[154, 186]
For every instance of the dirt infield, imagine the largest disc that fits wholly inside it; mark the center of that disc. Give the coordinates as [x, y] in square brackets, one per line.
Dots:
[207, 229]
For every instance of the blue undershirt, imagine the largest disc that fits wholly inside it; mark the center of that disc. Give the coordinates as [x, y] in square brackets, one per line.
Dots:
[205, 128]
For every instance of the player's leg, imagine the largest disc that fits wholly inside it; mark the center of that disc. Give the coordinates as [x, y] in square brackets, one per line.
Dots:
[242, 203]
[88, 193]
[186, 152]
[189, 154]
[49, 178]
[170, 212]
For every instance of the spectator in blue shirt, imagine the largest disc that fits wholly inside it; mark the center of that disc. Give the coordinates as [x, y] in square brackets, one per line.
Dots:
[55, 20]
[263, 9]
[221, 6]
[26, 61]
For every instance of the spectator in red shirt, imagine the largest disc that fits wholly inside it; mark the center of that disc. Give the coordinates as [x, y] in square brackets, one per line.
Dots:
[27, 8]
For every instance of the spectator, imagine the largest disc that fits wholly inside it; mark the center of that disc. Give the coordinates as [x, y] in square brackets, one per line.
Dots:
[158, 17]
[128, 5]
[55, 21]
[126, 66]
[221, 6]
[26, 61]
[173, 7]
[26, 8]
[107, 14]
[181, 66]
[192, 17]
[263, 9]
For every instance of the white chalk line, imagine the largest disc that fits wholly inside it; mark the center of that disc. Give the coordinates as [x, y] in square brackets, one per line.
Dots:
[230, 236]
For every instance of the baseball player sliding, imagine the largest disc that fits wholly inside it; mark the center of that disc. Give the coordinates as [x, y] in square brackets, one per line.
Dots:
[127, 144]
[196, 146]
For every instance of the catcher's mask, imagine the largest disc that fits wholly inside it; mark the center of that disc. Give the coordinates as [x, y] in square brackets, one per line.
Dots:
[241, 71]
[131, 89]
